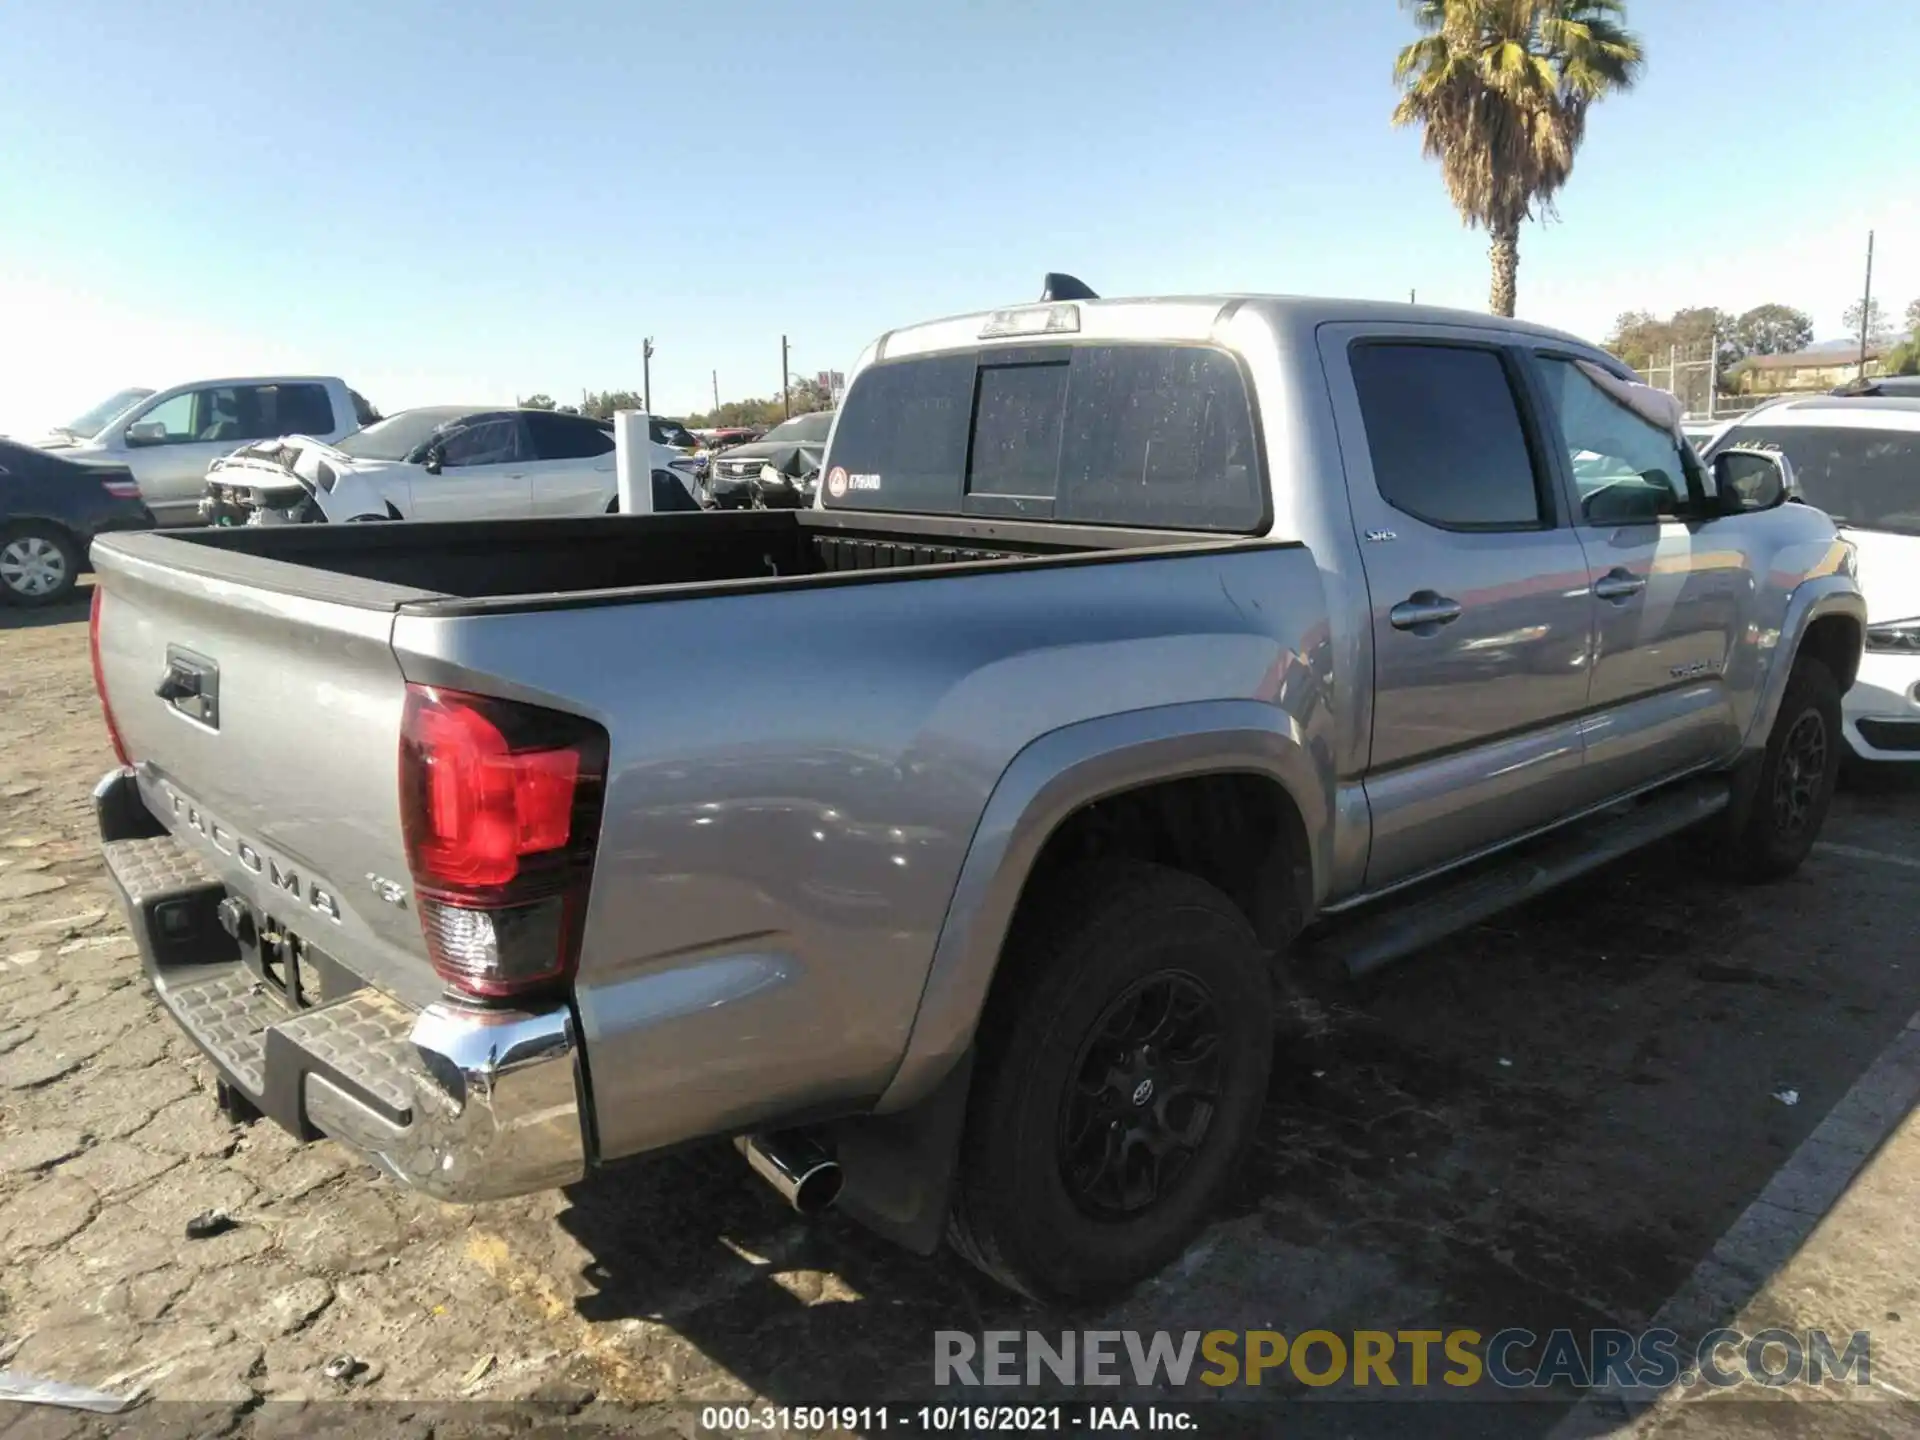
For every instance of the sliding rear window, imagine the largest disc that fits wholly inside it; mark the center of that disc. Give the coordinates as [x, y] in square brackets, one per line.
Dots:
[1153, 436]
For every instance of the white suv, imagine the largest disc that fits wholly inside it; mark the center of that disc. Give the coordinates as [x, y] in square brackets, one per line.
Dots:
[1858, 458]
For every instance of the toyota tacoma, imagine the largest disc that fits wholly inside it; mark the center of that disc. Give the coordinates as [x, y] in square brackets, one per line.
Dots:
[954, 844]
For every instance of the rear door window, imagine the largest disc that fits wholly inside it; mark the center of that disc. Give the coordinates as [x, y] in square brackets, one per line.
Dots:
[300, 410]
[263, 412]
[1156, 436]
[1445, 435]
[566, 437]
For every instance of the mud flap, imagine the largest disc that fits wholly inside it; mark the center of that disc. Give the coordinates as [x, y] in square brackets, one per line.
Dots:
[119, 810]
[1744, 784]
[232, 1103]
[898, 1169]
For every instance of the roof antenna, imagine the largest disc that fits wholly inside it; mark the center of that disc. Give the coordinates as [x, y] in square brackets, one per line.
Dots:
[1060, 286]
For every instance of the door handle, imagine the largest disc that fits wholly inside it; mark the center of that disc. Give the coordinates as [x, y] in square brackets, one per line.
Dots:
[1619, 585]
[1424, 612]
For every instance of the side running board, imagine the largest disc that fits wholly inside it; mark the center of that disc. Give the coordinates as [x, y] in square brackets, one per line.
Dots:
[1376, 936]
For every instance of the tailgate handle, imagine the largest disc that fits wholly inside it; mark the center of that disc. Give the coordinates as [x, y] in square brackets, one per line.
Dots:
[191, 686]
[178, 684]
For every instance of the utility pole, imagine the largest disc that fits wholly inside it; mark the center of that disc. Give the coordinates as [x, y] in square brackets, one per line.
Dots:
[716, 391]
[646, 373]
[786, 390]
[1413, 297]
[1866, 311]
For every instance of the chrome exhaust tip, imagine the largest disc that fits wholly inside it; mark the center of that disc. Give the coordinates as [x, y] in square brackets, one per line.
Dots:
[806, 1176]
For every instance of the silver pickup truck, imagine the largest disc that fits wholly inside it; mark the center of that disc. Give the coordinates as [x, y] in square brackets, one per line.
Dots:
[953, 845]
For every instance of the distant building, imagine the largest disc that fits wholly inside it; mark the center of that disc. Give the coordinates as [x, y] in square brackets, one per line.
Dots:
[1817, 368]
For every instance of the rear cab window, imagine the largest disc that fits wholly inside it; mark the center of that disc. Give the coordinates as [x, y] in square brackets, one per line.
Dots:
[1155, 436]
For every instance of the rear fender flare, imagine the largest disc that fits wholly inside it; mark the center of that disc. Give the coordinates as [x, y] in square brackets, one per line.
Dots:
[1048, 781]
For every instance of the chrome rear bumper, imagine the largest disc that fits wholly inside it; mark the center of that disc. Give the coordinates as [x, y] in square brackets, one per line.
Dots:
[460, 1102]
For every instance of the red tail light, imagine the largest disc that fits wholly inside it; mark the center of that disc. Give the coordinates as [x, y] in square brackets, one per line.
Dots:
[500, 806]
[128, 489]
[100, 680]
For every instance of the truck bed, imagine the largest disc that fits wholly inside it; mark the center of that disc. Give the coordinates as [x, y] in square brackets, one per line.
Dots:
[311, 635]
[467, 566]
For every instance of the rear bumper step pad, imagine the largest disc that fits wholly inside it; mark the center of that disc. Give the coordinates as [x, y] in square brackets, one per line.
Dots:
[263, 1047]
[463, 1103]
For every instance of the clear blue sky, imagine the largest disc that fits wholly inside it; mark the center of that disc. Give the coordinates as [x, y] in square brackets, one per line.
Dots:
[457, 201]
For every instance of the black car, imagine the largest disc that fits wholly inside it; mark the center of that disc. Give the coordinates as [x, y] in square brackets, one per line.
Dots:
[794, 448]
[50, 510]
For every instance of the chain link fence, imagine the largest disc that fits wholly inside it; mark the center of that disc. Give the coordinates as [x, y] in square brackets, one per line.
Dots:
[1692, 372]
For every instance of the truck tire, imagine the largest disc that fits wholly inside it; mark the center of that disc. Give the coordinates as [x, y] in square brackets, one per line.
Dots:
[1122, 1066]
[1795, 784]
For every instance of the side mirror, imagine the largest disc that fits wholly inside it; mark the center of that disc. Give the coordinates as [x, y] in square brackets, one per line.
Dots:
[1746, 481]
[435, 459]
[147, 432]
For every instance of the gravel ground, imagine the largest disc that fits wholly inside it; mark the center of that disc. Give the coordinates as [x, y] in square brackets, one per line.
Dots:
[1545, 1122]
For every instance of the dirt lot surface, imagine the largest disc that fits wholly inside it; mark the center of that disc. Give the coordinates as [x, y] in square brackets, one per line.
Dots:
[1547, 1122]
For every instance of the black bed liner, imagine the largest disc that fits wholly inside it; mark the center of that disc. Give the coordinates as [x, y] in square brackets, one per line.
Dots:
[455, 567]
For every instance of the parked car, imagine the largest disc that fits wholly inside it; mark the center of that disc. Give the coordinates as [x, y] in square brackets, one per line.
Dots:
[1858, 458]
[793, 448]
[439, 462]
[946, 843]
[170, 438]
[728, 436]
[50, 510]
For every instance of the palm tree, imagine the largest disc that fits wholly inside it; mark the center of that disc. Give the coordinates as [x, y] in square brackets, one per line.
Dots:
[1502, 88]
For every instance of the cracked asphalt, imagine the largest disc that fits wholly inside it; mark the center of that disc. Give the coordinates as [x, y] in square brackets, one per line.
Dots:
[1547, 1121]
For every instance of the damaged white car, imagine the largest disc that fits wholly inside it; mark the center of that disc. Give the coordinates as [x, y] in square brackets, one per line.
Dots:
[441, 462]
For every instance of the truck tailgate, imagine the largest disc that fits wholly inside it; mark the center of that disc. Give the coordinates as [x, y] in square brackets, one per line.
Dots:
[265, 728]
